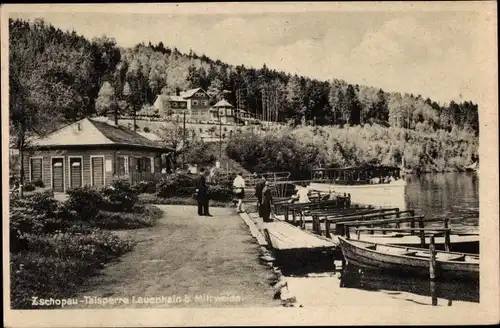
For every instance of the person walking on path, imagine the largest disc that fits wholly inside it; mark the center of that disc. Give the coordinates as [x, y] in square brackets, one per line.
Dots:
[267, 202]
[259, 186]
[239, 190]
[202, 194]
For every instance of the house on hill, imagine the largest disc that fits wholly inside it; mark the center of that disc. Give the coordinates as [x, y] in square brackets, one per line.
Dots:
[194, 102]
[224, 111]
[91, 151]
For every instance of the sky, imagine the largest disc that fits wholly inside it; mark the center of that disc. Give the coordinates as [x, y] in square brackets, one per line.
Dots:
[435, 53]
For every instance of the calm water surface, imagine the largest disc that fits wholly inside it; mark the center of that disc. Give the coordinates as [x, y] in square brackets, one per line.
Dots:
[452, 195]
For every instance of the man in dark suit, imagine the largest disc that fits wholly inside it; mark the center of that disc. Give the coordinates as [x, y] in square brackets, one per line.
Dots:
[202, 194]
[259, 186]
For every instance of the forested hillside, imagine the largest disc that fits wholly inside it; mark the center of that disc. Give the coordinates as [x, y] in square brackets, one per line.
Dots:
[300, 149]
[58, 76]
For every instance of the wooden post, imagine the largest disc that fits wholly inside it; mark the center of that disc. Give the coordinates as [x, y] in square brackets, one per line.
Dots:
[347, 234]
[422, 233]
[327, 228]
[286, 213]
[359, 233]
[398, 215]
[433, 293]
[302, 221]
[432, 261]
[293, 218]
[339, 229]
[446, 236]
[412, 225]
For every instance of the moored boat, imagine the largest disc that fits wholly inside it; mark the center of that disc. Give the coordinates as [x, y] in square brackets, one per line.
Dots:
[410, 260]
[381, 186]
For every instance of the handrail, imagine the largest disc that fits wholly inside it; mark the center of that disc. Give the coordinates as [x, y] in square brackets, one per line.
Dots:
[403, 229]
[369, 213]
[385, 221]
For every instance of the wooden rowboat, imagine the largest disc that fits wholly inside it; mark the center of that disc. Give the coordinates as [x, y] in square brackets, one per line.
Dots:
[409, 260]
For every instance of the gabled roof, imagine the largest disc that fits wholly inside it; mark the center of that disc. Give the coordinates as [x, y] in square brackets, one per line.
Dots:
[95, 132]
[189, 93]
[223, 103]
[177, 98]
[167, 97]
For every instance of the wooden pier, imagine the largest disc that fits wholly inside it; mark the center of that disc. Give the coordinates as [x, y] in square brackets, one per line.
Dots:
[331, 218]
[284, 236]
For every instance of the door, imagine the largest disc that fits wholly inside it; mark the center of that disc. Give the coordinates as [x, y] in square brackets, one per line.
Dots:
[75, 172]
[97, 171]
[58, 174]
[36, 169]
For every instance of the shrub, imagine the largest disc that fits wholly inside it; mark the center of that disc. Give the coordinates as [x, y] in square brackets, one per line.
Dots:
[144, 216]
[177, 184]
[153, 199]
[85, 201]
[38, 214]
[146, 129]
[224, 179]
[97, 246]
[60, 263]
[119, 196]
[145, 187]
[28, 187]
[220, 193]
[38, 183]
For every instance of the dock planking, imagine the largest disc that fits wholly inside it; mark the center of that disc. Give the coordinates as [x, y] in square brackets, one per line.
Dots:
[284, 236]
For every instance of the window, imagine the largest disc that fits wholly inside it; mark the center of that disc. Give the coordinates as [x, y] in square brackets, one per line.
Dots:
[205, 103]
[182, 105]
[174, 104]
[195, 102]
[123, 165]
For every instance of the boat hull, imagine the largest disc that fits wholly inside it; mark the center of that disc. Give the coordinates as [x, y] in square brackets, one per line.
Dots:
[380, 195]
[459, 243]
[396, 263]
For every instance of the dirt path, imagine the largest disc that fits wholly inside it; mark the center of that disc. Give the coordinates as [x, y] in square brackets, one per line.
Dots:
[191, 261]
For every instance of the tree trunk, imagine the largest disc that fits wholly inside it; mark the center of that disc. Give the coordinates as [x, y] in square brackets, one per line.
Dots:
[21, 154]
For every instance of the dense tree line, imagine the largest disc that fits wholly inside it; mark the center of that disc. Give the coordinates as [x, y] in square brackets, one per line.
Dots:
[65, 71]
[278, 95]
[58, 77]
[54, 77]
[298, 150]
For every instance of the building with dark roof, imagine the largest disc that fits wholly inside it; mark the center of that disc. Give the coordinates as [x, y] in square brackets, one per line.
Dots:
[224, 111]
[194, 103]
[91, 152]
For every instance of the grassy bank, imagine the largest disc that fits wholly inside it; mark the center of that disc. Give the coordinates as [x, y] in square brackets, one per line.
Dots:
[156, 200]
[56, 247]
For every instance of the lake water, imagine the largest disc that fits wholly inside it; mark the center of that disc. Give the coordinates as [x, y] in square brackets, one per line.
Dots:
[452, 195]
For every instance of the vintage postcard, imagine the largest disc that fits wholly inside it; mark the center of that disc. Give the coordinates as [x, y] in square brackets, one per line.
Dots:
[215, 164]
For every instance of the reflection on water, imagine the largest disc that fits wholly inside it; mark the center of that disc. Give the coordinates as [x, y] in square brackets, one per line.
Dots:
[362, 278]
[451, 195]
[454, 195]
